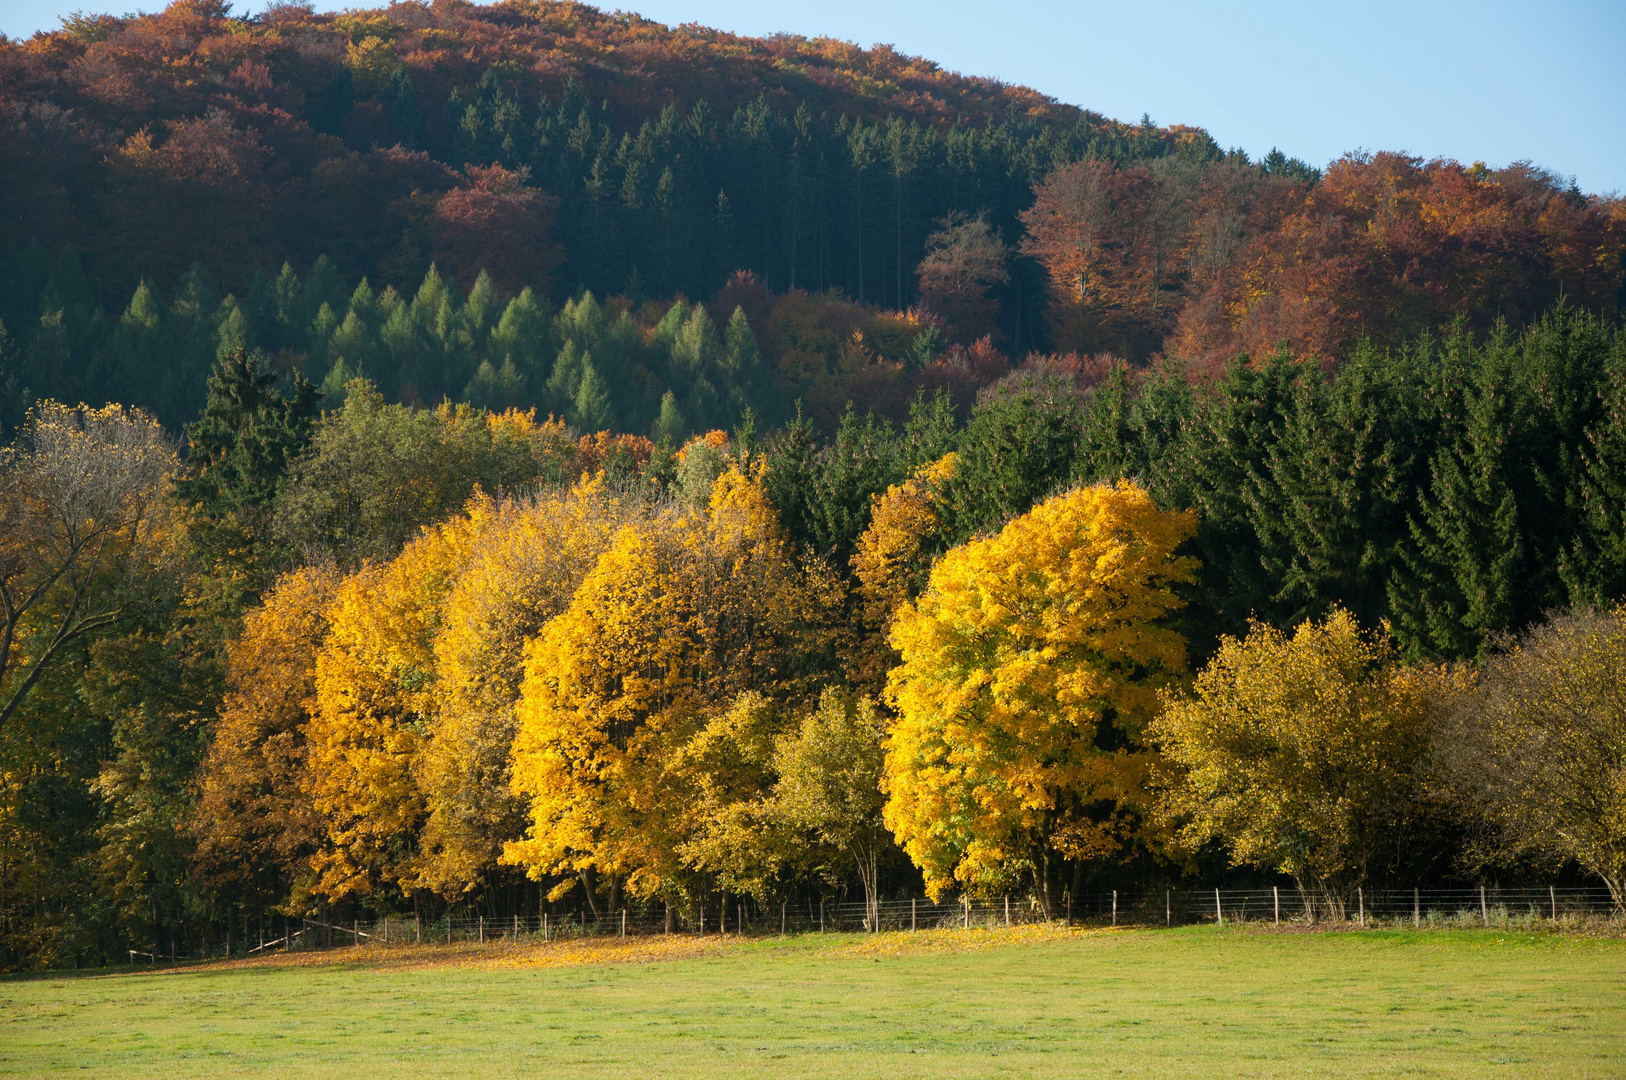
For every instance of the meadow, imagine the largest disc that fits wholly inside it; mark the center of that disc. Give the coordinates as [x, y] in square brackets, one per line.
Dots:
[1031, 1001]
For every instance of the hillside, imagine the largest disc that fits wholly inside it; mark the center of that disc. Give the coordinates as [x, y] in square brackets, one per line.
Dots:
[160, 172]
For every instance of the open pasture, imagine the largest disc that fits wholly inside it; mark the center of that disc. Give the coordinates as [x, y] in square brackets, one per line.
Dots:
[1032, 1001]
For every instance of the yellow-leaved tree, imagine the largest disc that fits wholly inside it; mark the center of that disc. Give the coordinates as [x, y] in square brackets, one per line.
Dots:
[1303, 752]
[893, 558]
[523, 570]
[1030, 668]
[681, 615]
[375, 697]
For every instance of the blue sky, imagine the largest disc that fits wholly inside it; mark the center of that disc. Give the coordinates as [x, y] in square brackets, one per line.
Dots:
[1497, 81]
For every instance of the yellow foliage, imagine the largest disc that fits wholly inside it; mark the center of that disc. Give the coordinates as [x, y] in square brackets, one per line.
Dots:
[375, 694]
[1027, 653]
[888, 561]
[522, 572]
[680, 615]
[1299, 751]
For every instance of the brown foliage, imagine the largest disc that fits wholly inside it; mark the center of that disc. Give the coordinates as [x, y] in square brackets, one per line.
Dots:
[253, 824]
[1390, 245]
[493, 221]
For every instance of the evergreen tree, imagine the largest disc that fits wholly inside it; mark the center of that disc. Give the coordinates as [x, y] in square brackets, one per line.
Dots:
[592, 410]
[670, 429]
[238, 451]
[1018, 447]
[1466, 552]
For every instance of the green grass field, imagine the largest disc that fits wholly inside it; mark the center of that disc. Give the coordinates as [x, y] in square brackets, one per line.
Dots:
[1181, 1003]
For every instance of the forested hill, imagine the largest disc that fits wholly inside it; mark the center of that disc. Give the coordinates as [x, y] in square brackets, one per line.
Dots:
[372, 193]
[678, 155]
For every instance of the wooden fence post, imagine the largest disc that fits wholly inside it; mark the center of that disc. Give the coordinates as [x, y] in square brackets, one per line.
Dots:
[1276, 903]
[544, 927]
[1416, 910]
[1360, 898]
[482, 929]
[966, 902]
[1114, 907]
[1007, 911]
[623, 922]
[1552, 894]
[1168, 907]
[1219, 912]
[1484, 913]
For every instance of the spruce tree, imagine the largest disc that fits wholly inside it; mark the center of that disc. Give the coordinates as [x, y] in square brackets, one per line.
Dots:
[1462, 563]
[237, 453]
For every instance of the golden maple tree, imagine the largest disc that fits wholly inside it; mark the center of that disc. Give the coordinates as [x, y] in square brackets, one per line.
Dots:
[1030, 667]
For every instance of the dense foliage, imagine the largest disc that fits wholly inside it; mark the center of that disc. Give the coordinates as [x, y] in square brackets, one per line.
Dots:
[482, 517]
[412, 193]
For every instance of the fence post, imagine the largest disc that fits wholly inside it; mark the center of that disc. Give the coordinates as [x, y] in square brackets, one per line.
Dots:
[417, 929]
[482, 919]
[912, 924]
[1276, 903]
[703, 919]
[966, 900]
[1416, 910]
[623, 922]
[1007, 911]
[1552, 894]
[1219, 912]
[782, 918]
[544, 927]
[1168, 907]
[1360, 898]
[1484, 914]
[1114, 907]
[516, 926]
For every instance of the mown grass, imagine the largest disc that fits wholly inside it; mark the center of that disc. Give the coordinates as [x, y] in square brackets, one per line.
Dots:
[1187, 1003]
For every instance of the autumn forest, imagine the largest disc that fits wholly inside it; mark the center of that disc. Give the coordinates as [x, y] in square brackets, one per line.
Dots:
[471, 459]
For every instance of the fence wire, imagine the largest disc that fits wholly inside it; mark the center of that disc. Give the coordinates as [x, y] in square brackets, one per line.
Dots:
[1488, 905]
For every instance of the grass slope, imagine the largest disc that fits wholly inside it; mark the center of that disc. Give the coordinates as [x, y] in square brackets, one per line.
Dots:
[1188, 1003]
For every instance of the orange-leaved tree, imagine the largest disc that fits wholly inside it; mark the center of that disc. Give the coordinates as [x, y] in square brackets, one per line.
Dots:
[254, 825]
[1031, 666]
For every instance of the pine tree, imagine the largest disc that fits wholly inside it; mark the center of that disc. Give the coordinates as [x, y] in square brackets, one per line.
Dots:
[238, 451]
[565, 382]
[592, 410]
[1594, 565]
[1466, 552]
[670, 429]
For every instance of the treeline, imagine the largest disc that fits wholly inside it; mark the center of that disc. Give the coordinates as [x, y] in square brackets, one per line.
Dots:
[658, 369]
[401, 658]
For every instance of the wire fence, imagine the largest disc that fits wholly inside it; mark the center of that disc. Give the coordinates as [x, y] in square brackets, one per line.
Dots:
[1417, 908]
